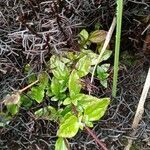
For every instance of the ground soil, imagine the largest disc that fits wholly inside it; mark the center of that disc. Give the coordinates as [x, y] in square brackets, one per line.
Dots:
[31, 31]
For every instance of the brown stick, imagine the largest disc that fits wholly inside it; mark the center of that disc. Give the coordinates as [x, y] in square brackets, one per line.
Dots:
[25, 88]
[140, 110]
[90, 132]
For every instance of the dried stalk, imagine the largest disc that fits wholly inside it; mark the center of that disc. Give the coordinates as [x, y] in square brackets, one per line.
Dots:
[140, 109]
[107, 40]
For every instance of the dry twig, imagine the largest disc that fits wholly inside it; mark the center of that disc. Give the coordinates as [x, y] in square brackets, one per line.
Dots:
[140, 109]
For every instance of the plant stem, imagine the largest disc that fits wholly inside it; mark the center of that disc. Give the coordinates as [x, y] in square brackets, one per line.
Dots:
[89, 131]
[27, 87]
[117, 45]
[67, 144]
[95, 137]
[107, 40]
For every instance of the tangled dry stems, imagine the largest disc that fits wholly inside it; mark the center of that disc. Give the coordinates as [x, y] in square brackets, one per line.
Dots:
[32, 30]
[27, 132]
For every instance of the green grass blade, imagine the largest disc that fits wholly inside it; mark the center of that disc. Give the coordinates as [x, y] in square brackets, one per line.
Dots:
[117, 45]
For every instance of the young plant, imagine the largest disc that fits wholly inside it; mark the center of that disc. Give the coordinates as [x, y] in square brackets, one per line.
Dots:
[74, 110]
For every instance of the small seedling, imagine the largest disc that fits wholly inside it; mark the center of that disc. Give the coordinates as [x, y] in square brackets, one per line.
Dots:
[74, 109]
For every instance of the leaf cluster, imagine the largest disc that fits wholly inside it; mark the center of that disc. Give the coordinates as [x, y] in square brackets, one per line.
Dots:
[63, 86]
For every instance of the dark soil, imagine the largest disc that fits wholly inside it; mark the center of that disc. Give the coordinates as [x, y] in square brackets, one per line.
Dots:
[31, 31]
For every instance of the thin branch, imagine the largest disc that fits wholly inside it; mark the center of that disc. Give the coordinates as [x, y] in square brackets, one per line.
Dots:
[95, 137]
[107, 40]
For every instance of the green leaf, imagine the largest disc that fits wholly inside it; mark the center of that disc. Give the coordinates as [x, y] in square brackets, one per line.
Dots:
[69, 127]
[47, 113]
[55, 86]
[4, 119]
[59, 70]
[87, 100]
[102, 74]
[74, 100]
[60, 144]
[71, 56]
[103, 68]
[74, 83]
[77, 98]
[83, 66]
[54, 99]
[104, 83]
[97, 26]
[27, 68]
[102, 71]
[26, 101]
[37, 93]
[43, 79]
[91, 55]
[98, 36]
[12, 108]
[67, 101]
[65, 111]
[58, 87]
[106, 55]
[86, 121]
[48, 90]
[31, 78]
[84, 35]
[97, 109]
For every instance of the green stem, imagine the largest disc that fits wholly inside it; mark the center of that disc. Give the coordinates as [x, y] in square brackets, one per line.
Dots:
[117, 45]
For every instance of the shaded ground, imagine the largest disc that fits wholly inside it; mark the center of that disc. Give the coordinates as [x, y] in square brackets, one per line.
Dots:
[30, 31]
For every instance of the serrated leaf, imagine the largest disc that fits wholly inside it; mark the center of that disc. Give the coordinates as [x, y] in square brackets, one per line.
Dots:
[60, 144]
[74, 83]
[37, 93]
[84, 35]
[12, 108]
[47, 113]
[97, 109]
[69, 127]
[98, 36]
[83, 66]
